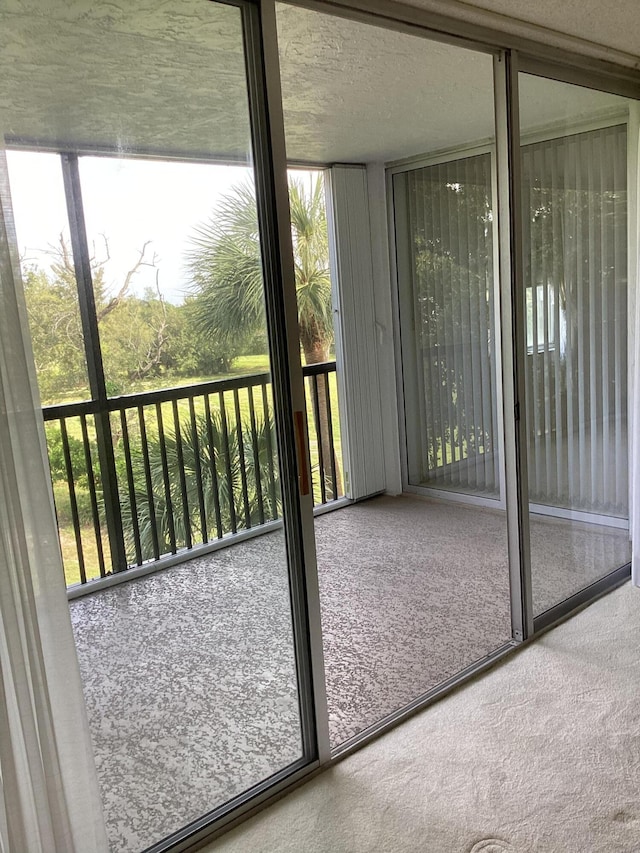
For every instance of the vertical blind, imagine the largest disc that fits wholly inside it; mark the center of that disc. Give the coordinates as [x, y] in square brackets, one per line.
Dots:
[444, 246]
[574, 233]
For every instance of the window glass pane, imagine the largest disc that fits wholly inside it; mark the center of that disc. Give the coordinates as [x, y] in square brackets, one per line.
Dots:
[398, 576]
[146, 222]
[574, 184]
[446, 252]
[188, 661]
[46, 260]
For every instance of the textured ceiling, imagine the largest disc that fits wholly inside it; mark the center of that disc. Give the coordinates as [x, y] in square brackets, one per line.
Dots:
[168, 75]
[615, 25]
[151, 74]
[355, 92]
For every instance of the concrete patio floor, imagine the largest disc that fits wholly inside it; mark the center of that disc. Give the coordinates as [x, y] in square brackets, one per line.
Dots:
[189, 673]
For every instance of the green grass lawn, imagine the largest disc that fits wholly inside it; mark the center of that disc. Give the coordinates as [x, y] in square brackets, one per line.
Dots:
[242, 366]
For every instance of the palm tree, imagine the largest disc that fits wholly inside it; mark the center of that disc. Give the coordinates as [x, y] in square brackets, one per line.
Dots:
[226, 270]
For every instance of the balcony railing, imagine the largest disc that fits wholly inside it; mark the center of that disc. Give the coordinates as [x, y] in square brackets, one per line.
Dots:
[148, 476]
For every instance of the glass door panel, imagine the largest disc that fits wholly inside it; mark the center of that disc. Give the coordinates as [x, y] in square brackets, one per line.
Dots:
[399, 574]
[147, 263]
[444, 247]
[574, 195]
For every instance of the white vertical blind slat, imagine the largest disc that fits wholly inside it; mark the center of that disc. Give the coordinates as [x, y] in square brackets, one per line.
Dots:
[594, 266]
[608, 359]
[471, 229]
[445, 331]
[574, 202]
[451, 258]
[619, 324]
[570, 233]
[561, 471]
[547, 396]
[417, 321]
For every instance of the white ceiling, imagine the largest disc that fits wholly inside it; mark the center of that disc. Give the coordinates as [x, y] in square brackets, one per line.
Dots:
[615, 25]
[168, 75]
[355, 92]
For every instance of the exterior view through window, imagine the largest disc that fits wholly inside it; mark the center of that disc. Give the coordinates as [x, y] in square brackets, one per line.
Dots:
[176, 295]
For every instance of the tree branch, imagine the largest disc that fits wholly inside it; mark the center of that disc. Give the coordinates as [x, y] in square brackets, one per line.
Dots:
[124, 290]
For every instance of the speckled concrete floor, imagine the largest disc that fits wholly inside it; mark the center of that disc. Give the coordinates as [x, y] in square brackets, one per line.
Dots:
[189, 674]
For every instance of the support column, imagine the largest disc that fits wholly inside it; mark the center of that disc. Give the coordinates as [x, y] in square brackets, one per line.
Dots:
[356, 331]
[93, 352]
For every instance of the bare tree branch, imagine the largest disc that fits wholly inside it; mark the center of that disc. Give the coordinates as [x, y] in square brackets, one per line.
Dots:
[124, 290]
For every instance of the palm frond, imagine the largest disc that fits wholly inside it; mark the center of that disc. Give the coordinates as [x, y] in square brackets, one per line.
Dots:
[225, 265]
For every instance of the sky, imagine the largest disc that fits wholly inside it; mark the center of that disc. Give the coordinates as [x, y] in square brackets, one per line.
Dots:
[127, 201]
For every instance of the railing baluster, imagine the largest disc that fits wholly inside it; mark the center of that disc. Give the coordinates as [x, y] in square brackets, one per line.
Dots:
[149, 483]
[75, 517]
[256, 454]
[227, 459]
[131, 486]
[270, 451]
[212, 467]
[334, 477]
[198, 471]
[181, 473]
[308, 403]
[316, 415]
[95, 514]
[243, 466]
[166, 479]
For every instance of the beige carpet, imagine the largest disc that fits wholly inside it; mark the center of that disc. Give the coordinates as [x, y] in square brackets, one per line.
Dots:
[540, 755]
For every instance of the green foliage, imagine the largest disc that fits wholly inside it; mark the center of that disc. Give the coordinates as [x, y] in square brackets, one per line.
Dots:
[63, 505]
[56, 456]
[56, 332]
[141, 338]
[59, 477]
[219, 457]
[194, 352]
[135, 338]
[311, 259]
[226, 270]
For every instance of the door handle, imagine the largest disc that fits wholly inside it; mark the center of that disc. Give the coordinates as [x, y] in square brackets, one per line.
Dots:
[302, 452]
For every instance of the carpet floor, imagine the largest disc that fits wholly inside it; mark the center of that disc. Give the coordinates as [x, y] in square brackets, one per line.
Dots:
[189, 674]
[539, 755]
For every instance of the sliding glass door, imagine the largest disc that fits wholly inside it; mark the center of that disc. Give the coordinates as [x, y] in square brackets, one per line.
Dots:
[445, 266]
[159, 327]
[413, 588]
[574, 217]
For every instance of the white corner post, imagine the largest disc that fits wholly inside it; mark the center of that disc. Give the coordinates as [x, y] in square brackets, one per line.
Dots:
[360, 338]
